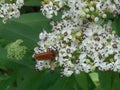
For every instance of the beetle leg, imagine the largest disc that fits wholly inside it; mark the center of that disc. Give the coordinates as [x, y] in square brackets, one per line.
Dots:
[52, 58]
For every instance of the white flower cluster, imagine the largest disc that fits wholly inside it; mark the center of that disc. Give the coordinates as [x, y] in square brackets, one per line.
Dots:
[51, 7]
[81, 48]
[102, 45]
[93, 9]
[82, 44]
[10, 10]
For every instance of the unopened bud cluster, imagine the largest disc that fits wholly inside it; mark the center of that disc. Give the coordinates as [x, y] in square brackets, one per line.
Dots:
[15, 50]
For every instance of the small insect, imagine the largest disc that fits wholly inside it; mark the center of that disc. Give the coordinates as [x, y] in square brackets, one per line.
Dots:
[49, 55]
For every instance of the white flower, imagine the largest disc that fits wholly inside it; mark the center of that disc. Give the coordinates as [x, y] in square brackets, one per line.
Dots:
[42, 65]
[104, 15]
[67, 72]
[49, 9]
[96, 19]
[20, 3]
[77, 72]
[66, 33]
[82, 58]
[92, 9]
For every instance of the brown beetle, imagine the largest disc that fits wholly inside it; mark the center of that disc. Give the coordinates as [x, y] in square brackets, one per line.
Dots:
[49, 55]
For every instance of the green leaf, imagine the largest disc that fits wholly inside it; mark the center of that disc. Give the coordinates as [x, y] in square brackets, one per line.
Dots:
[109, 80]
[35, 80]
[94, 77]
[65, 83]
[35, 20]
[116, 81]
[24, 28]
[49, 81]
[105, 80]
[116, 26]
[12, 31]
[98, 88]
[85, 81]
[32, 2]
[3, 58]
